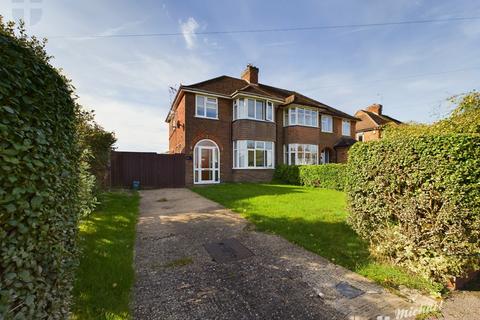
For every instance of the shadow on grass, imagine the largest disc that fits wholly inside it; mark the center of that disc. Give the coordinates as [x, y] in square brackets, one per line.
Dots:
[314, 219]
[105, 275]
[232, 192]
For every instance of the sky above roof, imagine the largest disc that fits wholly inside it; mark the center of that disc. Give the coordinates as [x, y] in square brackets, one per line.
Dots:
[411, 68]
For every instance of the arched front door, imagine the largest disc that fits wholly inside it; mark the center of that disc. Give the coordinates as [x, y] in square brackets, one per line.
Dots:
[206, 162]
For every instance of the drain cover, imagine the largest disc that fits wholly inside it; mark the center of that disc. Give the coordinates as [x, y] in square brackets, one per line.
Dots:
[348, 290]
[227, 250]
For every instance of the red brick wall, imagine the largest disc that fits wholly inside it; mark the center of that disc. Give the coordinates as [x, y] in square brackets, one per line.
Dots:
[176, 141]
[253, 175]
[253, 130]
[342, 154]
[371, 135]
[219, 131]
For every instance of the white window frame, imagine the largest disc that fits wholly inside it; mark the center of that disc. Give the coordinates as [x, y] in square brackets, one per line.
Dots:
[292, 148]
[360, 135]
[204, 116]
[292, 113]
[323, 118]
[240, 109]
[216, 158]
[347, 132]
[245, 151]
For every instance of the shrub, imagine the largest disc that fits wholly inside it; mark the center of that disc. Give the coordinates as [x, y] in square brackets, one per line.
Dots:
[416, 200]
[39, 181]
[99, 144]
[288, 174]
[330, 176]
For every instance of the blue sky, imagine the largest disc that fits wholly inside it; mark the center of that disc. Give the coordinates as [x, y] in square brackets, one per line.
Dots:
[410, 69]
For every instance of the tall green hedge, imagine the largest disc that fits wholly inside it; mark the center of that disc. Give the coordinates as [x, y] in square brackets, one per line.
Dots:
[416, 199]
[330, 176]
[39, 170]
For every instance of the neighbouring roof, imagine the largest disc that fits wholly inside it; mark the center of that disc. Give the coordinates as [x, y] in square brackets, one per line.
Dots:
[371, 120]
[230, 86]
[344, 142]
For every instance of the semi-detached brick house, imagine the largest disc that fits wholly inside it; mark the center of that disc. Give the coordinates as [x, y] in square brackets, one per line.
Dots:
[233, 129]
[372, 121]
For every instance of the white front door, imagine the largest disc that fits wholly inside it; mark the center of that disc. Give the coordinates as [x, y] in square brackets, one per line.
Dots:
[206, 163]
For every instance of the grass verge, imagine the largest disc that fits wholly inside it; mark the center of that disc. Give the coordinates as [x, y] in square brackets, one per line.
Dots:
[314, 219]
[105, 276]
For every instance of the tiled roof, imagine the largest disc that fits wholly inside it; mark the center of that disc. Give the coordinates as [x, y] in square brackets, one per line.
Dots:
[226, 85]
[381, 119]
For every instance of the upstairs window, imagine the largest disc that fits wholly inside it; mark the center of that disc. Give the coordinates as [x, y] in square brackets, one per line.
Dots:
[346, 127]
[327, 123]
[246, 108]
[301, 116]
[206, 107]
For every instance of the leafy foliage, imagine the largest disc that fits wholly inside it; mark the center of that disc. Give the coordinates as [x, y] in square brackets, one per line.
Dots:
[415, 194]
[415, 199]
[464, 118]
[330, 176]
[41, 186]
[98, 142]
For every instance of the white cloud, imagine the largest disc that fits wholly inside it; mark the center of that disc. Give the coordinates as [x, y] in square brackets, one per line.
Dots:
[122, 27]
[138, 127]
[188, 30]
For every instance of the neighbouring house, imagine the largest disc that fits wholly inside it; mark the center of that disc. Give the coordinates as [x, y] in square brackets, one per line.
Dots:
[237, 129]
[371, 123]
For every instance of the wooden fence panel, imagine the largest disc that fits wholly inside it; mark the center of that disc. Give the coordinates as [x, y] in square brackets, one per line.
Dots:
[153, 170]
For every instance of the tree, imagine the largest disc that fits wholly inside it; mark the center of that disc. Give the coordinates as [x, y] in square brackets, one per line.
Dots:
[99, 144]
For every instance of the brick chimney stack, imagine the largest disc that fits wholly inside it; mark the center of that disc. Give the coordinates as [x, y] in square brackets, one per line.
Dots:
[250, 74]
[375, 108]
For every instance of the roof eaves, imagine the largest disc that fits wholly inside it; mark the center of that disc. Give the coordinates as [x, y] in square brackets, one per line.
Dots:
[177, 95]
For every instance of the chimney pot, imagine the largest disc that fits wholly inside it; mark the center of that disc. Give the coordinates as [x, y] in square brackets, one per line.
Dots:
[375, 108]
[250, 74]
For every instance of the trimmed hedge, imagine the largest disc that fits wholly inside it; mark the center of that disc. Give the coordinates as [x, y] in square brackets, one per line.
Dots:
[39, 182]
[416, 200]
[330, 176]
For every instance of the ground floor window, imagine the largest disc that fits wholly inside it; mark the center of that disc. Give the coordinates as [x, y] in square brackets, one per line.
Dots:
[301, 154]
[253, 154]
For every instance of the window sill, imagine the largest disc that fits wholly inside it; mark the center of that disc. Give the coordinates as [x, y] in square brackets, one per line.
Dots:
[209, 118]
[254, 168]
[267, 121]
[207, 182]
[301, 125]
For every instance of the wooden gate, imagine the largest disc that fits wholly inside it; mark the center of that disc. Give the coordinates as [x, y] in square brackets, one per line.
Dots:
[151, 169]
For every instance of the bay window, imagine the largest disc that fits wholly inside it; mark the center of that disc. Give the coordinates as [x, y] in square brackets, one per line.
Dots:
[346, 127]
[300, 116]
[247, 108]
[250, 154]
[300, 154]
[327, 123]
[206, 107]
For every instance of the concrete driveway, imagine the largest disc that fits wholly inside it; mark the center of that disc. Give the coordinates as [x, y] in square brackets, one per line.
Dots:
[176, 277]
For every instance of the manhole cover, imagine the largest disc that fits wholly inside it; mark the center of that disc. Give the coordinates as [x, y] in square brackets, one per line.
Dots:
[348, 290]
[227, 250]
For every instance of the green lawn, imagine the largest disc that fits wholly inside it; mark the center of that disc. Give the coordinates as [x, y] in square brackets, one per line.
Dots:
[314, 219]
[105, 276]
